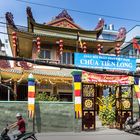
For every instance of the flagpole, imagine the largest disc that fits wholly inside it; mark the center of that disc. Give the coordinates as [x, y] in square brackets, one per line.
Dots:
[77, 42]
[33, 124]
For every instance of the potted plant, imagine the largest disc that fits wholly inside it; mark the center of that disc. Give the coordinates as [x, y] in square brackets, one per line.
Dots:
[106, 110]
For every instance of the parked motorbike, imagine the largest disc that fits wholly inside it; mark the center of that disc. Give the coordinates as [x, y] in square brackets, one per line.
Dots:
[131, 127]
[24, 136]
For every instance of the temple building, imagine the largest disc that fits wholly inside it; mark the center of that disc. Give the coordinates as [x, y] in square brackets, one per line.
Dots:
[63, 42]
[53, 42]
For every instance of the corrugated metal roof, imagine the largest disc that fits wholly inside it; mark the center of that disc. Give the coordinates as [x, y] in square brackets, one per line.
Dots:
[61, 72]
[50, 72]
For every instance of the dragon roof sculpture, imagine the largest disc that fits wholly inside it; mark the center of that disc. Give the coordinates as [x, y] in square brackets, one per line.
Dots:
[9, 18]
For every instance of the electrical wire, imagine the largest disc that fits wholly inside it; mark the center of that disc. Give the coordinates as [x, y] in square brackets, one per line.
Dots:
[83, 12]
[39, 62]
[65, 33]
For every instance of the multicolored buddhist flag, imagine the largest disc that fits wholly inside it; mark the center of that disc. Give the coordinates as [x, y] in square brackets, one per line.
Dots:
[31, 96]
[77, 96]
[137, 88]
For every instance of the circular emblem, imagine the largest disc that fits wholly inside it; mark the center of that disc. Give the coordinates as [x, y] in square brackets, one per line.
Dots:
[88, 103]
[126, 104]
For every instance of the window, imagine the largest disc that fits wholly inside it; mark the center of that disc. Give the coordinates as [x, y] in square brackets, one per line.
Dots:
[64, 96]
[45, 54]
[67, 58]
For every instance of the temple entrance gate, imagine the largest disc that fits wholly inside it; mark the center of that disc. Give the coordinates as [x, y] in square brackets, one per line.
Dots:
[124, 104]
[123, 93]
[88, 107]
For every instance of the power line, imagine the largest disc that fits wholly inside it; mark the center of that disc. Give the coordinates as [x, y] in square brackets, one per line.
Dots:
[78, 11]
[28, 38]
[46, 35]
[39, 62]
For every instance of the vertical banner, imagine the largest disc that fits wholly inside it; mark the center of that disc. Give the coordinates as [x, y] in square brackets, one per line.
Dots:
[77, 96]
[31, 96]
[137, 88]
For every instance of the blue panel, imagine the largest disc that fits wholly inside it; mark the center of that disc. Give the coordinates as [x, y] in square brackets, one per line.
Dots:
[31, 83]
[104, 62]
[136, 81]
[77, 78]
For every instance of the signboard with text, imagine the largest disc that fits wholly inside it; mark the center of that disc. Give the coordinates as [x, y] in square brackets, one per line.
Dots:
[104, 62]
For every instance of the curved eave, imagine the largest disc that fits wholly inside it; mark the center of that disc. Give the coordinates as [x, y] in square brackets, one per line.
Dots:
[27, 51]
[42, 26]
[24, 46]
[109, 46]
[110, 43]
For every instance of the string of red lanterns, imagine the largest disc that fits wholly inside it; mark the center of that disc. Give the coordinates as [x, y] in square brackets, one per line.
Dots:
[14, 37]
[99, 48]
[117, 49]
[38, 44]
[60, 46]
[84, 47]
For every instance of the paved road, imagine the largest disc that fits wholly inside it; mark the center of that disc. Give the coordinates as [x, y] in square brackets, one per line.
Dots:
[108, 134]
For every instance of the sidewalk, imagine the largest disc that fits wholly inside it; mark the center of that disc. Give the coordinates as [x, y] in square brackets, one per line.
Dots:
[106, 131]
[106, 134]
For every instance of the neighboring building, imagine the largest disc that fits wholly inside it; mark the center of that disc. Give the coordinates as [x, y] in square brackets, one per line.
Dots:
[3, 63]
[127, 48]
[109, 33]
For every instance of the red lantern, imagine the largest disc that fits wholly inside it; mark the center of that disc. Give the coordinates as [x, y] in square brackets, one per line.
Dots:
[99, 48]
[117, 49]
[14, 37]
[60, 47]
[84, 47]
[38, 44]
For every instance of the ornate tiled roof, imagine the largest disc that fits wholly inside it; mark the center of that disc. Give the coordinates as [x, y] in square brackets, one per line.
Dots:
[61, 72]
[11, 70]
[64, 14]
[48, 72]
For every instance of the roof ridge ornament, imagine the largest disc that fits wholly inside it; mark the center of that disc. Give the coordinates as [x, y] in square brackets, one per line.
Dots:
[64, 14]
[9, 18]
[121, 34]
[29, 13]
[100, 24]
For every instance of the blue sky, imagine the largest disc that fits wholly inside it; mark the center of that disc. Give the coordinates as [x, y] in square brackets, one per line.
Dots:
[116, 8]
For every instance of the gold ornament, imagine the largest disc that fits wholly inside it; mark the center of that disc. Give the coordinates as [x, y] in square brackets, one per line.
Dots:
[88, 103]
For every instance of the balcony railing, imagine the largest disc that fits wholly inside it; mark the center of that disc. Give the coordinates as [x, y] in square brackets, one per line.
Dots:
[48, 61]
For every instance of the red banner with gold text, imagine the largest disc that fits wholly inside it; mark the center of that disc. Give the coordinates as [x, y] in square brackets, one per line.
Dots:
[106, 78]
